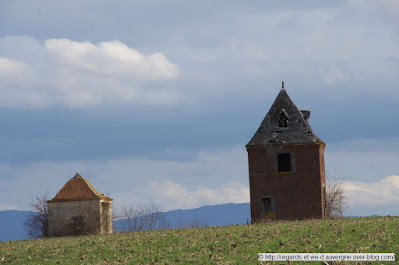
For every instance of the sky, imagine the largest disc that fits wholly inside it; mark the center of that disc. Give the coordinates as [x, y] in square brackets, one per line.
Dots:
[156, 100]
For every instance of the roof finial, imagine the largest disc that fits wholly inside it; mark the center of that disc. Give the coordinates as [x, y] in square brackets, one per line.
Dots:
[282, 85]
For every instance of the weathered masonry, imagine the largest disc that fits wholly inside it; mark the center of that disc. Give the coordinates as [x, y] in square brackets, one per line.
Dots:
[78, 208]
[286, 165]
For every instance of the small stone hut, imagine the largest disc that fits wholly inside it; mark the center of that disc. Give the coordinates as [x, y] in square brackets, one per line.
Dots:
[286, 165]
[78, 208]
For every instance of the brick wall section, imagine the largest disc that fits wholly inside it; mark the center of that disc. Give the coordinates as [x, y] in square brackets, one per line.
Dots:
[297, 195]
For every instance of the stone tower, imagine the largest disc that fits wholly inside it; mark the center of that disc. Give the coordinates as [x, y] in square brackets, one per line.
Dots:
[286, 165]
[78, 208]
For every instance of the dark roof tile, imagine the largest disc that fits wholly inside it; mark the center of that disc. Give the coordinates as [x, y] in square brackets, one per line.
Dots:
[298, 130]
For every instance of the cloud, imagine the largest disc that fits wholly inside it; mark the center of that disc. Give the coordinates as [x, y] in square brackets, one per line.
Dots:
[208, 178]
[4, 207]
[111, 58]
[386, 7]
[11, 67]
[14, 74]
[381, 192]
[81, 74]
[363, 160]
[349, 40]
[171, 195]
[335, 74]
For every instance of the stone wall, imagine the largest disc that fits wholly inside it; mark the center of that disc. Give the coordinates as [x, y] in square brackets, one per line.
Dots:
[294, 195]
[79, 217]
[106, 217]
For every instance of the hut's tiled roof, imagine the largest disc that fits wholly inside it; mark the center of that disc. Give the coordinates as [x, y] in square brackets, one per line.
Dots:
[78, 189]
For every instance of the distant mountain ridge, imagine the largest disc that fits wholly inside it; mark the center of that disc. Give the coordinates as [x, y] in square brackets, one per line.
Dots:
[215, 215]
[12, 221]
[12, 225]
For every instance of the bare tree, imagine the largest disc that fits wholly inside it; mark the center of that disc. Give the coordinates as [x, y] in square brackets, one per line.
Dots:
[142, 217]
[115, 217]
[336, 200]
[36, 223]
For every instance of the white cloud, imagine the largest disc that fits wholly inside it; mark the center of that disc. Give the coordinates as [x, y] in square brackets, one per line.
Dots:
[209, 178]
[363, 160]
[14, 74]
[376, 193]
[335, 74]
[171, 195]
[362, 165]
[384, 7]
[4, 207]
[11, 67]
[111, 58]
[81, 74]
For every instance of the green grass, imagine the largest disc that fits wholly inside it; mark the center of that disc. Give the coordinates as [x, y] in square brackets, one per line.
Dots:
[238, 244]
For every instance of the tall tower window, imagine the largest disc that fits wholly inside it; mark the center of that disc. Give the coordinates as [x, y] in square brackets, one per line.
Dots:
[284, 162]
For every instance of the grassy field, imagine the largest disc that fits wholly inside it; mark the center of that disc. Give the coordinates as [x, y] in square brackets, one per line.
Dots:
[238, 244]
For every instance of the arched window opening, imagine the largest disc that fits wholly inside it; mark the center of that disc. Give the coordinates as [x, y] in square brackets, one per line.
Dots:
[283, 119]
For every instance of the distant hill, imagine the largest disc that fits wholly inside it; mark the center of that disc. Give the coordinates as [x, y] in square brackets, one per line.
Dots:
[216, 215]
[12, 228]
[12, 225]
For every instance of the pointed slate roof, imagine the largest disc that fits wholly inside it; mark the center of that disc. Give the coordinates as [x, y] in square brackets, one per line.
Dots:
[298, 130]
[78, 189]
